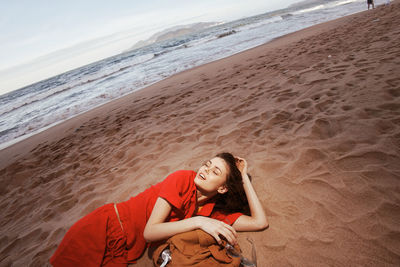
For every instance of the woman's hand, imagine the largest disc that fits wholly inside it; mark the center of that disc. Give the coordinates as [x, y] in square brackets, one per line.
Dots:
[217, 228]
[241, 163]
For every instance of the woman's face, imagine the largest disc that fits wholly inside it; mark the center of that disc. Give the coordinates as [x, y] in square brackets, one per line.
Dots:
[211, 177]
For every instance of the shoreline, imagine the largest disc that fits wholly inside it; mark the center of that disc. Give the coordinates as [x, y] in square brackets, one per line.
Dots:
[315, 113]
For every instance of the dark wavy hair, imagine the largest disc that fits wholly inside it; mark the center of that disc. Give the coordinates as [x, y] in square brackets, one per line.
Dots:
[234, 200]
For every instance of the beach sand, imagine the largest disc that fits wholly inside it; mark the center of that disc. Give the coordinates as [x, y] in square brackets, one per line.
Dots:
[316, 113]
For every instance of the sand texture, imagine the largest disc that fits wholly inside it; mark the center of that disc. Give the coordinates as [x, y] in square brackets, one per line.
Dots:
[316, 114]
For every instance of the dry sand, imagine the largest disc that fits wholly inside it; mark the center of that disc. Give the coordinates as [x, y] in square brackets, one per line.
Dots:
[316, 114]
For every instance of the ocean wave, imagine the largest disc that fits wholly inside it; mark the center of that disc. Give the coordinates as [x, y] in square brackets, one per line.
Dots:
[36, 97]
[173, 43]
[224, 34]
[340, 3]
[160, 53]
[306, 10]
[198, 42]
[324, 6]
[142, 58]
[8, 131]
[261, 23]
[286, 16]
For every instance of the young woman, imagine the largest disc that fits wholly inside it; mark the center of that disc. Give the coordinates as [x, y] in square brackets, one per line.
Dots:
[218, 199]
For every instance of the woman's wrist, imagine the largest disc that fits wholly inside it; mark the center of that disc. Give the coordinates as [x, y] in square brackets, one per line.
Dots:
[245, 177]
[196, 222]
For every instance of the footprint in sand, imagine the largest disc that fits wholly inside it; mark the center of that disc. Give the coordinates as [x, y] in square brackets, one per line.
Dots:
[393, 92]
[324, 128]
[347, 107]
[305, 104]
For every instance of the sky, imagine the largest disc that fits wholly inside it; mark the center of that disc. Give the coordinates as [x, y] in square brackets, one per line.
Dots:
[42, 38]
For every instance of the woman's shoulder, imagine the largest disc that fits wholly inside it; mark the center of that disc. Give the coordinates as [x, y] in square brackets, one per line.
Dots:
[178, 185]
[181, 178]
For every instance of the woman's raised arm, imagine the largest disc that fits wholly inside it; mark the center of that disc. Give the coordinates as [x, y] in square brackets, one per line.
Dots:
[258, 219]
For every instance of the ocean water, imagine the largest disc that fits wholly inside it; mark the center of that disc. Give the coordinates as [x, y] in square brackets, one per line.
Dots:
[39, 106]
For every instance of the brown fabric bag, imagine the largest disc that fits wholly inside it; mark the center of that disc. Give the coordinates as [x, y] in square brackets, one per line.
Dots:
[197, 249]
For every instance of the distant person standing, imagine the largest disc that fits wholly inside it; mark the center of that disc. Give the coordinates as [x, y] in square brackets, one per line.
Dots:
[370, 2]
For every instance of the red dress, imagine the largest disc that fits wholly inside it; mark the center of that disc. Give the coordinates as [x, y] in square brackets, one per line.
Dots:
[98, 239]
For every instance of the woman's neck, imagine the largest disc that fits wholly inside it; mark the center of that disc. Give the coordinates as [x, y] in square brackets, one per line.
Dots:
[203, 198]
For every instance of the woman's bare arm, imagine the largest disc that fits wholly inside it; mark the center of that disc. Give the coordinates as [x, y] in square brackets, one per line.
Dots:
[258, 219]
[157, 229]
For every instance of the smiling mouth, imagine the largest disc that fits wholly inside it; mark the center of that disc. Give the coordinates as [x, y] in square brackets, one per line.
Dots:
[202, 176]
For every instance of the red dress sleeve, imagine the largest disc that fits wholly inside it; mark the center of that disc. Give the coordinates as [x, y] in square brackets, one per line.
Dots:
[175, 187]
